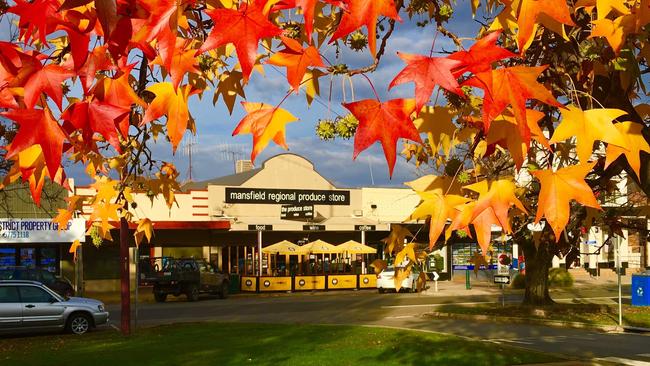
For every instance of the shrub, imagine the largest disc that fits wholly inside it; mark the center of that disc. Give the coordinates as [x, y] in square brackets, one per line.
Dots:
[559, 277]
[519, 281]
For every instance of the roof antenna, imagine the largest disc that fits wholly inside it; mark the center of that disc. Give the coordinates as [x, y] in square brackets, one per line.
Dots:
[372, 178]
[188, 148]
[230, 152]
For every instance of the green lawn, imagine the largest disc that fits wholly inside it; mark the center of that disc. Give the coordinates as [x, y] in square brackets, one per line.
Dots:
[259, 344]
[583, 313]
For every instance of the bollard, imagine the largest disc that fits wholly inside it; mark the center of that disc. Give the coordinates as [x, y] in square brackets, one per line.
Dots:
[468, 285]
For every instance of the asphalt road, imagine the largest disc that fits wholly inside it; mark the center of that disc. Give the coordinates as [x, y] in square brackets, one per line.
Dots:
[403, 311]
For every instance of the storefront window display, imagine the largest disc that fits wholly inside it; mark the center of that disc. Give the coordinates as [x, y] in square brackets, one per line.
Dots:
[462, 253]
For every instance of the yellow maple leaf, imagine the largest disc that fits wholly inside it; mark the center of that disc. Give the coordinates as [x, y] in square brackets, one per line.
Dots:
[265, 123]
[588, 126]
[144, 229]
[635, 143]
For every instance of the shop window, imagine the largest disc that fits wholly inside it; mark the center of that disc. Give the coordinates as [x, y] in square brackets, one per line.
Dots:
[48, 259]
[28, 257]
[7, 257]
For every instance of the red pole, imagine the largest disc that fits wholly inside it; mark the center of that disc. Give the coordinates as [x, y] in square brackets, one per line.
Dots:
[125, 277]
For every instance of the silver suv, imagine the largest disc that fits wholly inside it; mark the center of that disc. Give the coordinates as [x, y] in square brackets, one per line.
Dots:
[31, 306]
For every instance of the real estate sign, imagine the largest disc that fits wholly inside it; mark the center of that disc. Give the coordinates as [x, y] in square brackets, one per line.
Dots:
[41, 231]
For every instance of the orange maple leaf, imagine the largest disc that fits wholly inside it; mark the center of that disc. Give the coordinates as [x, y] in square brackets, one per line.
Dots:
[296, 59]
[498, 195]
[265, 122]
[530, 12]
[244, 28]
[171, 102]
[386, 122]
[511, 86]
[365, 12]
[558, 189]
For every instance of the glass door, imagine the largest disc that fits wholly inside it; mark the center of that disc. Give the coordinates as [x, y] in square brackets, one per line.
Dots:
[28, 257]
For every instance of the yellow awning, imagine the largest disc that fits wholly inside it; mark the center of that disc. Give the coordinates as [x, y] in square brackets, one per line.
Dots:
[319, 247]
[354, 247]
[283, 248]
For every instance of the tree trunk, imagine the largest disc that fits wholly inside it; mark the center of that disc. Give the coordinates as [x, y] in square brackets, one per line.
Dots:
[125, 277]
[538, 261]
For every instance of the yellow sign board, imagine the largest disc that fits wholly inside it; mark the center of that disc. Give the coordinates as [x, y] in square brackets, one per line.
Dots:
[302, 283]
[367, 281]
[249, 283]
[275, 284]
[339, 282]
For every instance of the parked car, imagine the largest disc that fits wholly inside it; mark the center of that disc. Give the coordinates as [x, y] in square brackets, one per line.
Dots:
[386, 280]
[182, 276]
[60, 285]
[32, 306]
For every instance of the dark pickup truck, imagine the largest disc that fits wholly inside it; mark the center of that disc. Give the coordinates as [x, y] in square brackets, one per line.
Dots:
[182, 276]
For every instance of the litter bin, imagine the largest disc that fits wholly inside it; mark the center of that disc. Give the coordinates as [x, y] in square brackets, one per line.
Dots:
[640, 290]
[234, 284]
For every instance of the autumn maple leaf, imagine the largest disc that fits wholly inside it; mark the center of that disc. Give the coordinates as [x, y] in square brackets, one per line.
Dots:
[244, 28]
[530, 13]
[37, 17]
[498, 195]
[481, 55]
[384, 122]
[365, 12]
[635, 142]
[438, 206]
[587, 127]
[96, 117]
[427, 72]
[47, 80]
[308, 8]
[511, 86]
[181, 61]
[265, 122]
[171, 102]
[37, 127]
[557, 191]
[500, 133]
[296, 59]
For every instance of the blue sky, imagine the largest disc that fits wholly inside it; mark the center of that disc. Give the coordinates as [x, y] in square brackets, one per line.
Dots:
[215, 145]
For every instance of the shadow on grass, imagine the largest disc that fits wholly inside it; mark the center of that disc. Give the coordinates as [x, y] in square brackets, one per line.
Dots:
[260, 344]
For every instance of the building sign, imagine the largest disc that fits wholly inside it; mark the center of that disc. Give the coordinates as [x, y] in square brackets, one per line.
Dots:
[297, 212]
[260, 227]
[365, 227]
[287, 196]
[41, 231]
[313, 227]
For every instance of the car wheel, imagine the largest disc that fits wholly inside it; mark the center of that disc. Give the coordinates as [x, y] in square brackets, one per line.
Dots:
[79, 323]
[224, 291]
[193, 293]
[381, 290]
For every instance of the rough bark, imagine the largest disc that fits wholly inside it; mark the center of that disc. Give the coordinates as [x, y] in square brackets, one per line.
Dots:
[538, 261]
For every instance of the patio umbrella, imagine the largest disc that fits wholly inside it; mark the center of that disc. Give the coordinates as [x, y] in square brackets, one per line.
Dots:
[354, 247]
[319, 247]
[284, 247]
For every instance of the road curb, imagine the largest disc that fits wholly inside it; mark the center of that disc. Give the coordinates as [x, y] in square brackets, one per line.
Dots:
[518, 320]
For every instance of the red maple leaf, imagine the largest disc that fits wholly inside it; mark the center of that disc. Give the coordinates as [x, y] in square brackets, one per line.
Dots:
[511, 86]
[426, 73]
[365, 12]
[97, 60]
[243, 28]
[296, 59]
[96, 117]
[308, 8]
[37, 126]
[481, 55]
[384, 122]
[40, 16]
[48, 80]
